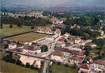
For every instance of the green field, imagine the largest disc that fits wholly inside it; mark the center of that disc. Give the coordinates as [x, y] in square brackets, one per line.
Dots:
[27, 37]
[12, 68]
[62, 69]
[6, 31]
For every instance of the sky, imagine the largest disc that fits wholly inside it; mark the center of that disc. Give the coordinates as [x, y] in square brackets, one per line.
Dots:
[54, 3]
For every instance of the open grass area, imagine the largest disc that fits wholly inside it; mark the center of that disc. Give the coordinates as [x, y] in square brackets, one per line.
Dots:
[28, 37]
[12, 68]
[62, 69]
[6, 31]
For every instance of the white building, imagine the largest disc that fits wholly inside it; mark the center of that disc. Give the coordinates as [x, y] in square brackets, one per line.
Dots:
[98, 66]
[32, 61]
[12, 46]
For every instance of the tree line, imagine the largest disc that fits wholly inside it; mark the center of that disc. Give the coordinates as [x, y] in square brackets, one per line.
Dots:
[28, 21]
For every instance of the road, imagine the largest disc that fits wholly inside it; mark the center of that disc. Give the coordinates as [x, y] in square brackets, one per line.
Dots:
[45, 66]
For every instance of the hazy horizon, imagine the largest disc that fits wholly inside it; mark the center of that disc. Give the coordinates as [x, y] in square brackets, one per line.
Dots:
[54, 3]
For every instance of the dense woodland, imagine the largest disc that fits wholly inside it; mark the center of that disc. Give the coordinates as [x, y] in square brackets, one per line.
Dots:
[27, 21]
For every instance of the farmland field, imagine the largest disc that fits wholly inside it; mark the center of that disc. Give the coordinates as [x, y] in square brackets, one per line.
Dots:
[12, 68]
[6, 31]
[62, 69]
[28, 37]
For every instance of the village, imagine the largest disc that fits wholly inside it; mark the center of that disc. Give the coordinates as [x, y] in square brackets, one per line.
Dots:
[39, 42]
[65, 49]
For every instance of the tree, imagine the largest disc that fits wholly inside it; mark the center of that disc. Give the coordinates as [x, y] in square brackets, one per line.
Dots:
[5, 46]
[101, 52]
[32, 27]
[53, 28]
[15, 57]
[10, 26]
[101, 48]
[18, 43]
[18, 62]
[86, 36]
[64, 29]
[8, 57]
[87, 50]
[44, 48]
[67, 22]
[76, 31]
[19, 25]
[81, 21]
[99, 42]
[28, 65]
[103, 28]
[96, 20]
[1, 25]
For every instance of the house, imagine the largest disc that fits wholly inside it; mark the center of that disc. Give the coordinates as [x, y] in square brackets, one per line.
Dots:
[92, 45]
[31, 52]
[57, 56]
[72, 52]
[74, 40]
[101, 32]
[56, 21]
[35, 14]
[46, 41]
[53, 19]
[98, 66]
[61, 42]
[66, 56]
[12, 46]
[84, 68]
[75, 60]
[32, 61]
[48, 30]
[70, 56]
[66, 35]
[57, 31]
[45, 30]
[32, 45]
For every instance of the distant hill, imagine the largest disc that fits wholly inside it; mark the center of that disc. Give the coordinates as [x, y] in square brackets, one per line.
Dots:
[77, 9]
[16, 8]
[19, 8]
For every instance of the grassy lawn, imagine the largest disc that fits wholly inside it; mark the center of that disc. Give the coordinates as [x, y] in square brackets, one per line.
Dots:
[27, 37]
[6, 31]
[12, 68]
[62, 69]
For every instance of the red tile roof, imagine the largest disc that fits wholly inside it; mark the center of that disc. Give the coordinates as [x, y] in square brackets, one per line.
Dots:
[100, 62]
[58, 53]
[74, 52]
[84, 66]
[62, 39]
[77, 58]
